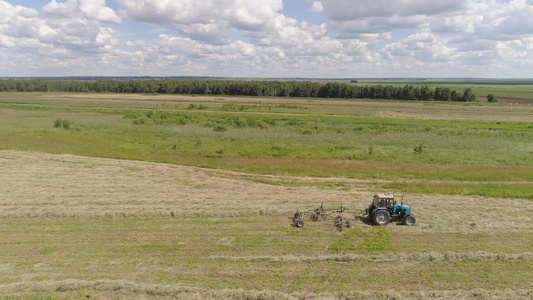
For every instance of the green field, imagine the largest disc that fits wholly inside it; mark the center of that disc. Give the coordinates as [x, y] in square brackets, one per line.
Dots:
[197, 205]
[489, 145]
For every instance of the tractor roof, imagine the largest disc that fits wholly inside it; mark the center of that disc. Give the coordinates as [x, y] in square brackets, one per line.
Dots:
[383, 195]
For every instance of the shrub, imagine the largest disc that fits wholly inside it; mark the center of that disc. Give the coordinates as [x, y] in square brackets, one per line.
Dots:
[419, 149]
[66, 124]
[491, 98]
[196, 106]
[62, 123]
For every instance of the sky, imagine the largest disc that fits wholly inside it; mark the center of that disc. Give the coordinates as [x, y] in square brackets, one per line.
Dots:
[267, 38]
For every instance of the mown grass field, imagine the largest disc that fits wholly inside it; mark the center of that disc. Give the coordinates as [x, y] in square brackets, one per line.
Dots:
[111, 196]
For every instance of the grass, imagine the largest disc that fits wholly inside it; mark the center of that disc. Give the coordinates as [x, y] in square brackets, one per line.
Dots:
[143, 248]
[209, 150]
[369, 242]
[494, 190]
[240, 136]
[438, 153]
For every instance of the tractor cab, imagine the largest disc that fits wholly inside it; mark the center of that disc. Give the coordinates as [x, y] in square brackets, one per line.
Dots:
[384, 200]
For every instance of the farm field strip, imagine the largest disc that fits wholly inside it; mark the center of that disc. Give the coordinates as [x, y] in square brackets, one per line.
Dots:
[471, 152]
[197, 253]
[40, 185]
[333, 107]
[113, 289]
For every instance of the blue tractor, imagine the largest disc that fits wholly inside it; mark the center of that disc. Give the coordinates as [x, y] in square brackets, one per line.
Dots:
[384, 209]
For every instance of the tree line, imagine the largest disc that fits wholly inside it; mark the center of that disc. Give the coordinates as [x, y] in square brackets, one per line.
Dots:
[243, 88]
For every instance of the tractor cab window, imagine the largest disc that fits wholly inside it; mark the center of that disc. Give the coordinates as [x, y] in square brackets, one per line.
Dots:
[384, 202]
[381, 202]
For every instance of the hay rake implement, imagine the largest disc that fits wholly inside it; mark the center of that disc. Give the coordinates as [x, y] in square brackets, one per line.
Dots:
[340, 216]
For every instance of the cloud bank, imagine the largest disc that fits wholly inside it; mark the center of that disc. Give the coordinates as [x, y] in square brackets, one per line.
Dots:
[354, 38]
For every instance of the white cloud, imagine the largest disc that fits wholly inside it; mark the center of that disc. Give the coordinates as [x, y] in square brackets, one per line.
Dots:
[68, 35]
[313, 58]
[317, 7]
[463, 34]
[209, 21]
[68, 26]
[423, 46]
[352, 19]
[278, 45]
[490, 31]
[89, 9]
[342, 10]
[9, 12]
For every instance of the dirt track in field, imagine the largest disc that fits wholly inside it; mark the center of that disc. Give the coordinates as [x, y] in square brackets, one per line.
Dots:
[47, 185]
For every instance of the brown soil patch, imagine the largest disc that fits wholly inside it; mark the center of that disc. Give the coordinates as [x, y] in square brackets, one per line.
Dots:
[523, 101]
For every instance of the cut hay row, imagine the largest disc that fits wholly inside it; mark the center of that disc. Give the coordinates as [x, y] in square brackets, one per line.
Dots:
[485, 221]
[119, 288]
[409, 257]
[135, 212]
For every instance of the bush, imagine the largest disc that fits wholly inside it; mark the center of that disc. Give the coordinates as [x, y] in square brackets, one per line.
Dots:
[196, 106]
[66, 124]
[419, 149]
[62, 123]
[491, 98]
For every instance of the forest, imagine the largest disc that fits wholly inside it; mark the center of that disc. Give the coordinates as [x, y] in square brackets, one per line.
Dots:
[243, 88]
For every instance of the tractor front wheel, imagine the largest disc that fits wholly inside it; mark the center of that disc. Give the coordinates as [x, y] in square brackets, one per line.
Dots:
[409, 220]
[381, 217]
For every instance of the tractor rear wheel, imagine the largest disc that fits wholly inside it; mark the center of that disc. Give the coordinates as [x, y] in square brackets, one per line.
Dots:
[381, 217]
[409, 220]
